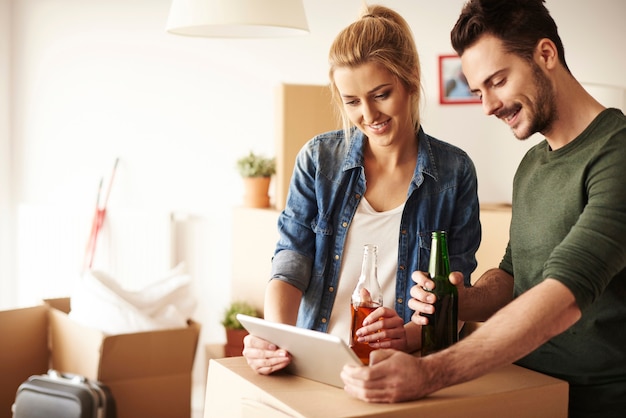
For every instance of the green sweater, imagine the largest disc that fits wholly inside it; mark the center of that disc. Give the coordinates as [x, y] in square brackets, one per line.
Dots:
[569, 224]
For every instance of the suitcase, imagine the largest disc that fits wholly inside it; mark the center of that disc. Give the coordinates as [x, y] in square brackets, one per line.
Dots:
[57, 395]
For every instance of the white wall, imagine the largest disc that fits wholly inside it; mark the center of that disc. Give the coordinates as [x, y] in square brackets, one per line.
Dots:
[85, 81]
[6, 216]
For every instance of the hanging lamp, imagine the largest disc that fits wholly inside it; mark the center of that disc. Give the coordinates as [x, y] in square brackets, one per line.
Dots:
[237, 18]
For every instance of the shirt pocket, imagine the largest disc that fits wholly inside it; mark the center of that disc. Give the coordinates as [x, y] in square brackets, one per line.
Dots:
[424, 239]
[322, 226]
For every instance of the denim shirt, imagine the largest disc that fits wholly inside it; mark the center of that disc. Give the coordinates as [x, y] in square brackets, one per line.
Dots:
[327, 184]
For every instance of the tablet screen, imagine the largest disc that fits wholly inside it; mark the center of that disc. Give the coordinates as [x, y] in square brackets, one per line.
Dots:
[315, 355]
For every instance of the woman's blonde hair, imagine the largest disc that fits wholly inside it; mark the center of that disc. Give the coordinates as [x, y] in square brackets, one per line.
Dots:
[380, 36]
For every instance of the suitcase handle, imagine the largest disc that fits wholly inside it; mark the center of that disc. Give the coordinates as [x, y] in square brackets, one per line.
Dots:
[74, 378]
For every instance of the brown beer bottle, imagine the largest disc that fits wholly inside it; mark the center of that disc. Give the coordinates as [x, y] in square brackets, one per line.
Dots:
[441, 331]
[367, 296]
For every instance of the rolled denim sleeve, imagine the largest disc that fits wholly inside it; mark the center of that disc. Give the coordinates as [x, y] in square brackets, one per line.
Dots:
[295, 250]
[293, 268]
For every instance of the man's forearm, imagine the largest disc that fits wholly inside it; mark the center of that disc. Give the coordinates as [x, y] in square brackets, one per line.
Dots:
[539, 314]
[492, 291]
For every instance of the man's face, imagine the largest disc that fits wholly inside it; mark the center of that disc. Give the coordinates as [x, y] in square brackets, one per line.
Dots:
[514, 90]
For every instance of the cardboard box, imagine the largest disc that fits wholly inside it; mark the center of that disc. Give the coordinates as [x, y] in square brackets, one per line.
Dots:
[234, 390]
[149, 373]
[23, 350]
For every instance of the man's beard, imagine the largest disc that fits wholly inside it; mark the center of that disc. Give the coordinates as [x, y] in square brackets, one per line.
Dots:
[543, 110]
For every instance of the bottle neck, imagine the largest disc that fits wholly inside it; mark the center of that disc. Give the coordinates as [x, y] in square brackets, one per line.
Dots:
[368, 289]
[369, 267]
[439, 264]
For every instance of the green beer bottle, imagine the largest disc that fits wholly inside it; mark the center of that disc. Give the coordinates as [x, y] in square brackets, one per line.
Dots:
[441, 331]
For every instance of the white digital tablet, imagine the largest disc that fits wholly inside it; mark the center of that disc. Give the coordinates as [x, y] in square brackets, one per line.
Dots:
[315, 355]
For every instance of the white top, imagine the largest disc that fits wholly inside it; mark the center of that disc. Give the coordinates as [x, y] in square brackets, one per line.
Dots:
[368, 227]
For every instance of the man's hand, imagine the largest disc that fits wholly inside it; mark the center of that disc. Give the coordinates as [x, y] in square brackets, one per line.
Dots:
[422, 299]
[392, 376]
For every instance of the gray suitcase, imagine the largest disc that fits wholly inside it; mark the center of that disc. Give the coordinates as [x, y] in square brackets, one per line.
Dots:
[56, 395]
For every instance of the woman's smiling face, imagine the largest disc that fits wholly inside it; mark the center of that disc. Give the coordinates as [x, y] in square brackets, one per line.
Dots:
[375, 102]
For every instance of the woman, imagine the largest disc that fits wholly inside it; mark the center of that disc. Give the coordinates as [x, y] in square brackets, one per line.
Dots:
[380, 180]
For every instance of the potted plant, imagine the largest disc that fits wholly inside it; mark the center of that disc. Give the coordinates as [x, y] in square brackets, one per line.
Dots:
[256, 172]
[235, 332]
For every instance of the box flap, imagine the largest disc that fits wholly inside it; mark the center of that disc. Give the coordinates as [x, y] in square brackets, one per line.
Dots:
[75, 347]
[23, 350]
[62, 304]
[148, 354]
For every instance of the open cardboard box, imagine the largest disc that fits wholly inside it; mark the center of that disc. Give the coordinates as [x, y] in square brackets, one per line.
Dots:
[149, 373]
[234, 390]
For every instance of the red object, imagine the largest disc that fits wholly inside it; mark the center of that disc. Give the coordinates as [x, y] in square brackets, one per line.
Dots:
[96, 224]
[98, 220]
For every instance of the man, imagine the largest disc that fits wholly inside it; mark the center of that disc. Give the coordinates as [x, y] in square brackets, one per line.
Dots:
[557, 302]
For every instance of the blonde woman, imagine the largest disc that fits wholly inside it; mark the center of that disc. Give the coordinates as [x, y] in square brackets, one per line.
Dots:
[380, 180]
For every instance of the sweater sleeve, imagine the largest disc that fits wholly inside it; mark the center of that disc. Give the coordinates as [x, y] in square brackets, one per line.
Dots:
[594, 250]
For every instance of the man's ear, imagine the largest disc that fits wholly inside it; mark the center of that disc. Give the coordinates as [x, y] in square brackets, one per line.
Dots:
[546, 54]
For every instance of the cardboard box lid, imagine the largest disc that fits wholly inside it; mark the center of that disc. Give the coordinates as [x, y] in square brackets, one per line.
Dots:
[74, 348]
[23, 350]
[82, 350]
[511, 391]
[61, 304]
[146, 354]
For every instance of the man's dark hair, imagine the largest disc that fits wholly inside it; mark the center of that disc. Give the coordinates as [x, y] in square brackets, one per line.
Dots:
[519, 24]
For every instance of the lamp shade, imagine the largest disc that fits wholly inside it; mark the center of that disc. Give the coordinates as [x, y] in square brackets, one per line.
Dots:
[237, 18]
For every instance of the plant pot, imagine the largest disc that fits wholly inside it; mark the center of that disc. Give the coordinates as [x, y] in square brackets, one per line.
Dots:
[256, 192]
[234, 342]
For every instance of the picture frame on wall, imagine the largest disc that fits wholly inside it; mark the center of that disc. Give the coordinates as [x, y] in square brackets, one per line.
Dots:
[453, 88]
